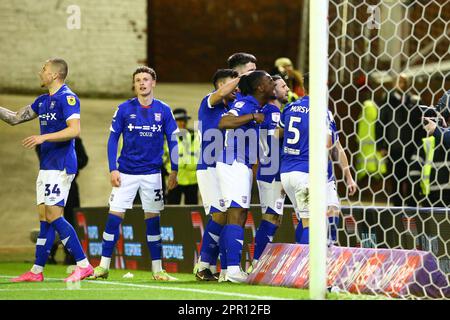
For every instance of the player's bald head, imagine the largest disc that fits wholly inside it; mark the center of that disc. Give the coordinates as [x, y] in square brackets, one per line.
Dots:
[59, 66]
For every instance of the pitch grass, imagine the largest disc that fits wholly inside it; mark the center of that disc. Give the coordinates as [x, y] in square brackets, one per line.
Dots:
[140, 287]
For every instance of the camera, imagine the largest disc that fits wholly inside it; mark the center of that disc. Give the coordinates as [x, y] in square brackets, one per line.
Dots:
[431, 112]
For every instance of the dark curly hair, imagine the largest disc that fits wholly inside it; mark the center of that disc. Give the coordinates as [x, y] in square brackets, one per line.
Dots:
[250, 82]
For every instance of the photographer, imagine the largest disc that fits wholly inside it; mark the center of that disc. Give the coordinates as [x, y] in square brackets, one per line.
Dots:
[435, 124]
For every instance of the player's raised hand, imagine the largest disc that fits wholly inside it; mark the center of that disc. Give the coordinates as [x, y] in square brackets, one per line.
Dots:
[32, 141]
[259, 117]
[115, 178]
[172, 181]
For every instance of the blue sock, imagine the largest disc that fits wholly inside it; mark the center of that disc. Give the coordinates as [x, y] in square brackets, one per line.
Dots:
[44, 243]
[69, 238]
[305, 236]
[263, 236]
[299, 231]
[223, 248]
[210, 243]
[234, 242]
[154, 238]
[333, 223]
[111, 235]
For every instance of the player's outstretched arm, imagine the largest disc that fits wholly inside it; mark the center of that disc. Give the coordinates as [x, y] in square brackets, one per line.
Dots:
[230, 121]
[13, 118]
[338, 154]
[72, 131]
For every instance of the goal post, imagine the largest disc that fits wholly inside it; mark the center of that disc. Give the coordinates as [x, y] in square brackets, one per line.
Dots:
[318, 155]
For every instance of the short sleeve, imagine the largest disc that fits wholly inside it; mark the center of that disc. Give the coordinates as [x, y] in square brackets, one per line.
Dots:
[208, 101]
[271, 118]
[71, 107]
[332, 128]
[239, 109]
[35, 105]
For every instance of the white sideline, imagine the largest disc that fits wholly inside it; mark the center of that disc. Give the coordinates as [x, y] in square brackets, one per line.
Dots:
[143, 286]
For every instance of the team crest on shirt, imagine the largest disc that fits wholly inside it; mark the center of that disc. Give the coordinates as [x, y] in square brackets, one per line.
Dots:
[52, 105]
[158, 116]
[71, 100]
[222, 202]
[244, 199]
[239, 104]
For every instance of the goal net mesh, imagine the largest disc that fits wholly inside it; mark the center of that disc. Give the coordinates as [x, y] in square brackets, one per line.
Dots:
[386, 58]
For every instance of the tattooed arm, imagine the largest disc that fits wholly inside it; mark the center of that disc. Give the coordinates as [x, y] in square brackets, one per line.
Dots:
[22, 115]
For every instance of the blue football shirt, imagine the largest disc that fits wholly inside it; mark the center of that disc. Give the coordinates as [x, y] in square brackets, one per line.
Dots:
[143, 129]
[212, 138]
[241, 144]
[295, 149]
[54, 111]
[269, 146]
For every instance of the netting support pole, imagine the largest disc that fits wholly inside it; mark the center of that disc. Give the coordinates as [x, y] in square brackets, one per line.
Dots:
[318, 155]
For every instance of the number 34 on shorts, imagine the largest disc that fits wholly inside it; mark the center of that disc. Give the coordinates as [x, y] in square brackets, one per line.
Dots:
[52, 187]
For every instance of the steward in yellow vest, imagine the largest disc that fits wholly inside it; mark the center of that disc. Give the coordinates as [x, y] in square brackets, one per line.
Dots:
[369, 161]
[188, 154]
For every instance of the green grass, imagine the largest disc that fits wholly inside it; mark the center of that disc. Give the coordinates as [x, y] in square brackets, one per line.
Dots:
[140, 287]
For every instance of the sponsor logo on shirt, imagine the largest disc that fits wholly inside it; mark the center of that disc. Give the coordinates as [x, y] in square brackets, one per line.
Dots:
[71, 100]
[295, 152]
[153, 128]
[132, 116]
[48, 116]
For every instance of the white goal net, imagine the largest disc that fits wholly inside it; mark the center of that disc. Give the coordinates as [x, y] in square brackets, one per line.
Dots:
[386, 60]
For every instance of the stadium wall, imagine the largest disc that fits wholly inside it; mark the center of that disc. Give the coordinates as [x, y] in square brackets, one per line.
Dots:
[110, 41]
[190, 39]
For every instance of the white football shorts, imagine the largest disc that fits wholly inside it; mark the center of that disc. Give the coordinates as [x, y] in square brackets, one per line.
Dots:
[150, 191]
[235, 183]
[52, 187]
[208, 184]
[271, 197]
[295, 185]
